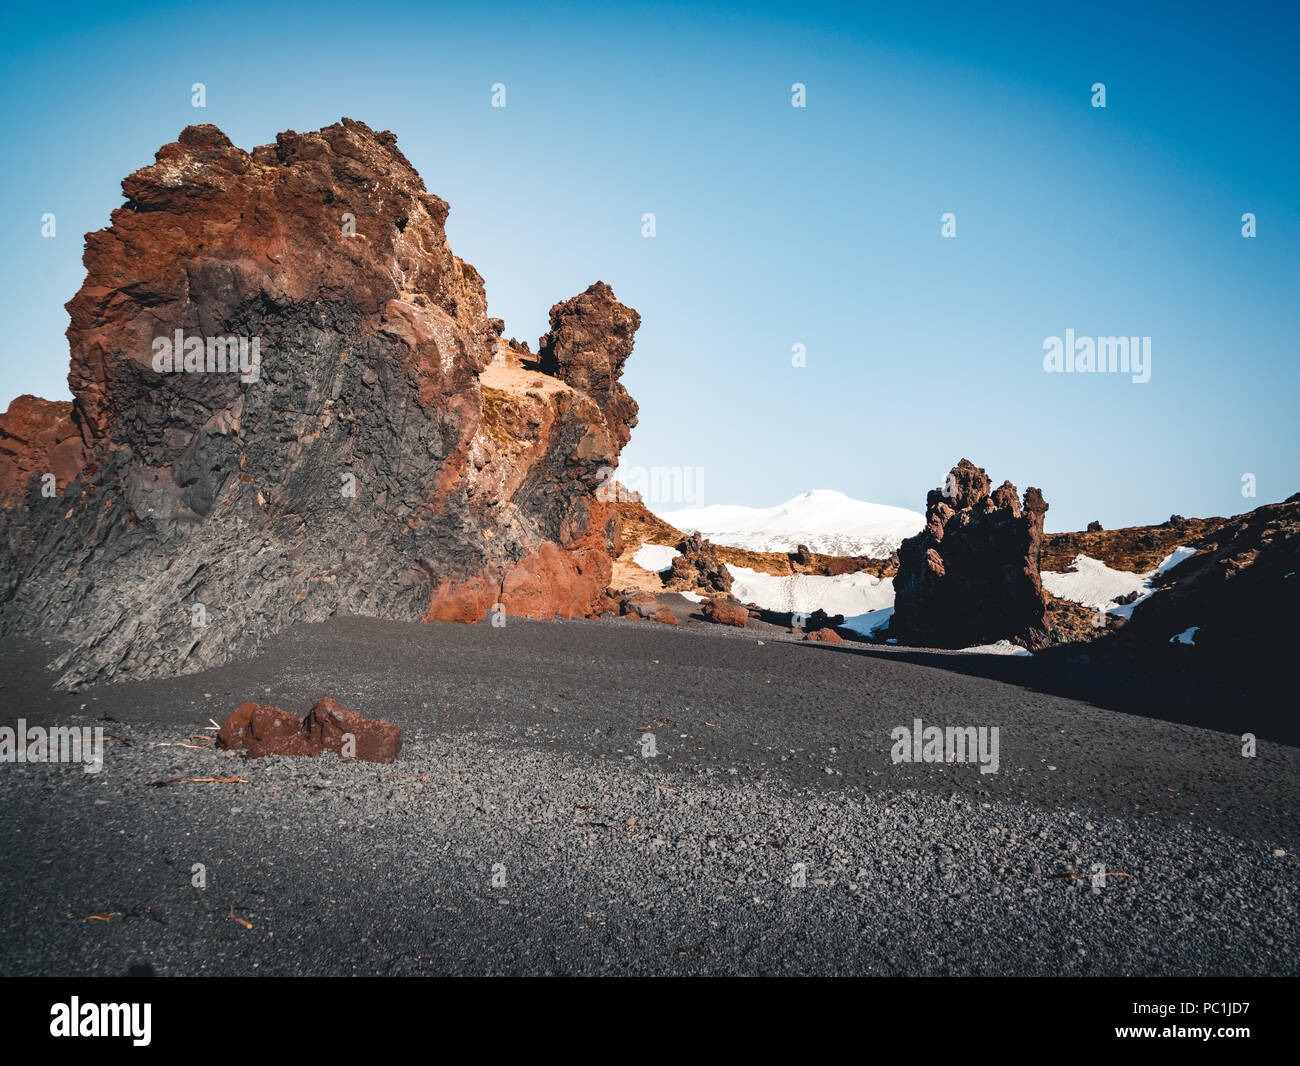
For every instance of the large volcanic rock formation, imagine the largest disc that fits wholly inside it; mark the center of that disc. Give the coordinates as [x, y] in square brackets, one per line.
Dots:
[971, 576]
[379, 450]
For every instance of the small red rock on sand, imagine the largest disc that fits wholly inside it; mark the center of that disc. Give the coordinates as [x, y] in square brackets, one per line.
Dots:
[262, 729]
[727, 614]
[829, 636]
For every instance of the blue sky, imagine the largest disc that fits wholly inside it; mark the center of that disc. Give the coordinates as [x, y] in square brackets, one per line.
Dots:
[776, 225]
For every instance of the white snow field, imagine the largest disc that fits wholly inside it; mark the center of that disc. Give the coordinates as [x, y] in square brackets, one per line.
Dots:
[824, 521]
[655, 557]
[846, 594]
[1093, 584]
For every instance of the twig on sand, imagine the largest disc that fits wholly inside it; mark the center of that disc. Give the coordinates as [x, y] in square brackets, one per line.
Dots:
[201, 780]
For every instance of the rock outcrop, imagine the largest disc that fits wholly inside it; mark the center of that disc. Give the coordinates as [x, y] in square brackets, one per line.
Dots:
[971, 576]
[590, 340]
[1136, 549]
[290, 402]
[697, 567]
[1238, 594]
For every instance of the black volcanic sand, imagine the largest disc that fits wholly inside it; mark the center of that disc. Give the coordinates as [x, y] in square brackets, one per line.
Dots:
[522, 751]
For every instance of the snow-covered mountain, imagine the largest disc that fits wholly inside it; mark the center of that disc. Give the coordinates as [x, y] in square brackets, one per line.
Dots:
[824, 520]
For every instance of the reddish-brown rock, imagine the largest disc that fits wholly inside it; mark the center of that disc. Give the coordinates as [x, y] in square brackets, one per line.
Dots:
[826, 636]
[352, 735]
[590, 340]
[647, 606]
[255, 724]
[726, 612]
[553, 582]
[260, 729]
[640, 604]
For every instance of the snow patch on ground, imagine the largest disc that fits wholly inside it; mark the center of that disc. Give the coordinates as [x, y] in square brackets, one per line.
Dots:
[823, 520]
[1187, 636]
[655, 557]
[865, 625]
[1002, 647]
[1093, 584]
[846, 594]
[1174, 558]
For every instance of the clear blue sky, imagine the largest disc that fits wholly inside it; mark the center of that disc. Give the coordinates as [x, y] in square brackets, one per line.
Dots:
[776, 225]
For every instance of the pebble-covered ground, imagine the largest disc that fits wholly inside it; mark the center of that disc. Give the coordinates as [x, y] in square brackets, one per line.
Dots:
[523, 830]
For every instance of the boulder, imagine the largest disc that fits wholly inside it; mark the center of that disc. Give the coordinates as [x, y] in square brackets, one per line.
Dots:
[330, 725]
[646, 605]
[257, 723]
[726, 612]
[971, 575]
[697, 566]
[261, 729]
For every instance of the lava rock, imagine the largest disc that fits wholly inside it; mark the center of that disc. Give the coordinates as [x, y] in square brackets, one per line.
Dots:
[257, 724]
[726, 612]
[697, 566]
[372, 460]
[330, 725]
[261, 729]
[971, 575]
[826, 636]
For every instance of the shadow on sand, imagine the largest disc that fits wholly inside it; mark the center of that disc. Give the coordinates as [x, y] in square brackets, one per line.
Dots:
[1235, 702]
